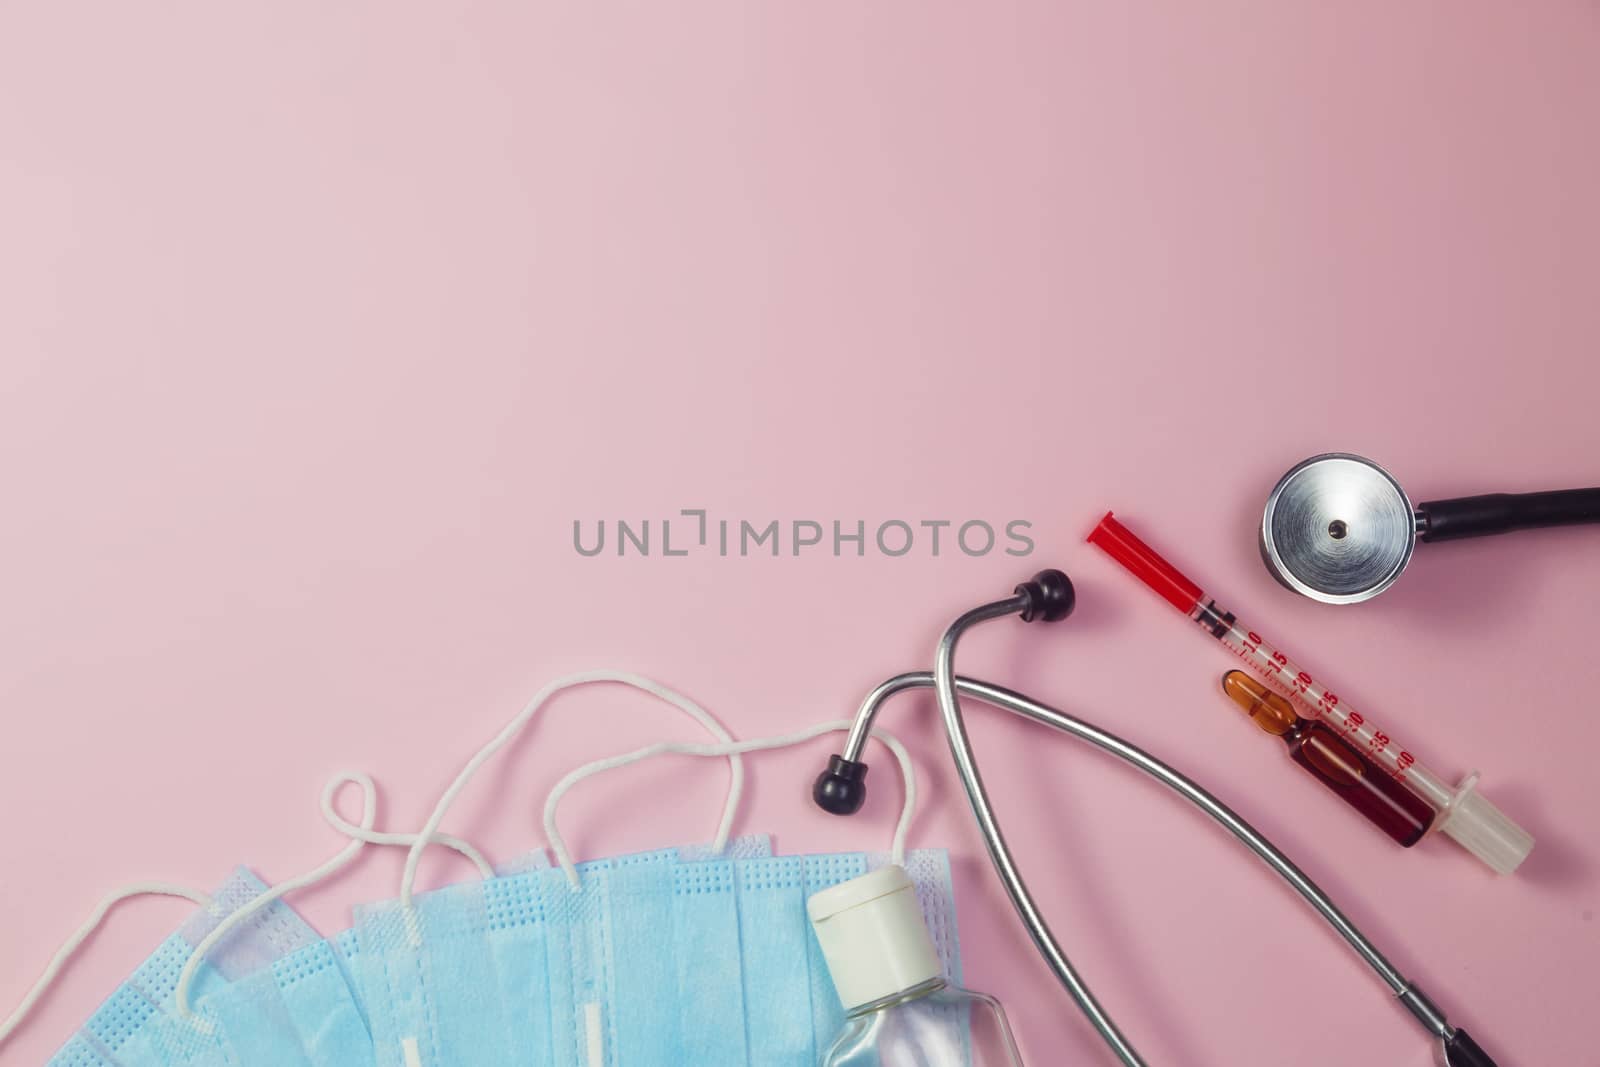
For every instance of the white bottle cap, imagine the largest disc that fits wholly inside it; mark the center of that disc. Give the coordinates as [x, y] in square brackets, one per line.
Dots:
[874, 936]
[1484, 830]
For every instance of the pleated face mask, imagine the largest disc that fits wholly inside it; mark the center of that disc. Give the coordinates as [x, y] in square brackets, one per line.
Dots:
[128, 1029]
[493, 972]
[244, 982]
[656, 958]
[302, 1010]
[683, 955]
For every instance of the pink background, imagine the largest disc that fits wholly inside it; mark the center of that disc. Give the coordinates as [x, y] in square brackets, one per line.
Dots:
[322, 323]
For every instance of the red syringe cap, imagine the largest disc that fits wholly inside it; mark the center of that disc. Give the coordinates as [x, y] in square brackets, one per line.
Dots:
[1120, 544]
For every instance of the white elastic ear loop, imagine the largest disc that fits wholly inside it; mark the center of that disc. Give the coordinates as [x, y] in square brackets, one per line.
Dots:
[908, 775]
[52, 970]
[408, 880]
[378, 837]
[360, 835]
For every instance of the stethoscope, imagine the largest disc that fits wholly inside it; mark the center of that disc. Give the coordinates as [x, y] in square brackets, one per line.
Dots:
[1338, 528]
[841, 790]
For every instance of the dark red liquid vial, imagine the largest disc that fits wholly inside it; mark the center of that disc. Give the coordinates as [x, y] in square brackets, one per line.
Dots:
[1386, 803]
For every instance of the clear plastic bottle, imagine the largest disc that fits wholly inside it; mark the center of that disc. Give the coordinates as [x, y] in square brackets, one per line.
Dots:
[901, 1011]
[934, 1025]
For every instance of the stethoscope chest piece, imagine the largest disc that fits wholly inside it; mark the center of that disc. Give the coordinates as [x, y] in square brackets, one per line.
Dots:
[1338, 528]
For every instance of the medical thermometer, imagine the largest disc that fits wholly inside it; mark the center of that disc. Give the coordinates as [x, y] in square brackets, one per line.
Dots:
[1464, 814]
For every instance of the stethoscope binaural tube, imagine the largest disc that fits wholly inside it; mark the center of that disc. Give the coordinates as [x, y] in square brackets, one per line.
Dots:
[841, 789]
[1339, 528]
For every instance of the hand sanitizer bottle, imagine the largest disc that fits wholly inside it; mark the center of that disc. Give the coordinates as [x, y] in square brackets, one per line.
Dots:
[901, 1011]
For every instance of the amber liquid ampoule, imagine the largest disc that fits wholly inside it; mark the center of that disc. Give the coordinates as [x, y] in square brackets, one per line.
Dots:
[1317, 747]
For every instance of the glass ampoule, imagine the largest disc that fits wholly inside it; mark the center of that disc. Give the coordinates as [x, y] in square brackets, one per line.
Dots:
[900, 1009]
[1334, 762]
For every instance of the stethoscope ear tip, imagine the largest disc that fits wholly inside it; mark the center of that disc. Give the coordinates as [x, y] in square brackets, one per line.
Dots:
[842, 788]
[1050, 596]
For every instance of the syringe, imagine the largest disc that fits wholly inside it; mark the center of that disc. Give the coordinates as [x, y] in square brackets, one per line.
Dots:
[1463, 813]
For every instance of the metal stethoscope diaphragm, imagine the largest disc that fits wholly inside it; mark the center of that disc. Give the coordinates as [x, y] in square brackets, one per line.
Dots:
[1339, 528]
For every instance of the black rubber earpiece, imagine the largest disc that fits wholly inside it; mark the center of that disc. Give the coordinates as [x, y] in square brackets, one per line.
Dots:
[1050, 596]
[842, 788]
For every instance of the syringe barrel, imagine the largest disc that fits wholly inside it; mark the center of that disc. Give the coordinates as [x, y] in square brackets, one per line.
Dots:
[1464, 814]
[1315, 701]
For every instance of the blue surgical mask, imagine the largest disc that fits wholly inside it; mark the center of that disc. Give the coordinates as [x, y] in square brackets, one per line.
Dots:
[320, 1003]
[516, 934]
[654, 961]
[775, 955]
[650, 960]
[244, 982]
[670, 921]
[347, 955]
[706, 971]
[429, 981]
[553, 972]
[419, 952]
[654, 972]
[582, 1001]
[299, 1012]
[80, 1051]
[657, 934]
[135, 1027]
